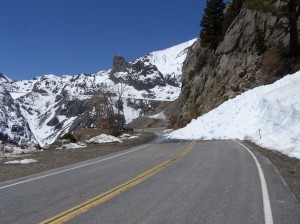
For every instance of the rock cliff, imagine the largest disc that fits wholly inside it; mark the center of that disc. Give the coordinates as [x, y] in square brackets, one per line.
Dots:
[238, 64]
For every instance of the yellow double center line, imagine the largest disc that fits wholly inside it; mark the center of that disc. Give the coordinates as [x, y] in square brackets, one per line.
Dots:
[95, 201]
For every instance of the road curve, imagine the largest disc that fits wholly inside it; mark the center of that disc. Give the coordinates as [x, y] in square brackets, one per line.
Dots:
[205, 182]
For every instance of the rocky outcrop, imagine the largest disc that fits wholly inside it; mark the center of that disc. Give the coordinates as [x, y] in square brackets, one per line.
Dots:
[210, 78]
[140, 74]
[119, 65]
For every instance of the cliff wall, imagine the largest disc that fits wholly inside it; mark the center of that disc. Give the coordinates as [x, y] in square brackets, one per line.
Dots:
[238, 64]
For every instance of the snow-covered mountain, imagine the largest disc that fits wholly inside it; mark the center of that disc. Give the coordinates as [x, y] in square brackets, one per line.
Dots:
[55, 105]
[4, 79]
[267, 115]
[13, 126]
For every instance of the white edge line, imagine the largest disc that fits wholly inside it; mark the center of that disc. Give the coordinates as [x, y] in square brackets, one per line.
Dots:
[73, 168]
[264, 189]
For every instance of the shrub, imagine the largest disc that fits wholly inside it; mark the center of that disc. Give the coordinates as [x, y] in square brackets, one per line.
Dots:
[270, 62]
[69, 136]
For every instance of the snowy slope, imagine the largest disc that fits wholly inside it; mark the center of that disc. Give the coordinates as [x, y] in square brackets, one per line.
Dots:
[267, 115]
[13, 126]
[55, 105]
[169, 61]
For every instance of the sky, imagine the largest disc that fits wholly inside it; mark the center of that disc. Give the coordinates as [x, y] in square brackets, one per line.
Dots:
[69, 37]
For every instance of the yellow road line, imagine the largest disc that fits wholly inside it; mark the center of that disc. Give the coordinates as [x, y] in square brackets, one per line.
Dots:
[95, 201]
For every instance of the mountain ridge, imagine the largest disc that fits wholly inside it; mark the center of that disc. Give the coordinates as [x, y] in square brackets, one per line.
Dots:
[55, 105]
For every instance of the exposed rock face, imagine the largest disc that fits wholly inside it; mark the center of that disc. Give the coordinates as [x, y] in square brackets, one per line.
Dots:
[210, 78]
[119, 64]
[140, 74]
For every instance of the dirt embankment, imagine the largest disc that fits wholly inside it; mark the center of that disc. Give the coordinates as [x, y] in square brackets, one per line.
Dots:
[55, 158]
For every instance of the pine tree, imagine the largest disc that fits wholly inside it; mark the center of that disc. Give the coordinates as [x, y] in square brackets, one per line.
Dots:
[212, 23]
[291, 11]
[233, 10]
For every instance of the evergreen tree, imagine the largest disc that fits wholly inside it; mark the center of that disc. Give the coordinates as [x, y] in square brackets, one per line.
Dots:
[233, 10]
[291, 11]
[212, 23]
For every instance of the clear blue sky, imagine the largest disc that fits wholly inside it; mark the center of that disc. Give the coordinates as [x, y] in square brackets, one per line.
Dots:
[61, 37]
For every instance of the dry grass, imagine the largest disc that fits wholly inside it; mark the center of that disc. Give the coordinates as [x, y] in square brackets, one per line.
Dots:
[270, 62]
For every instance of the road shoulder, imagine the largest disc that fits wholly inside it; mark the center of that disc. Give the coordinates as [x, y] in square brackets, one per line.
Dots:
[288, 167]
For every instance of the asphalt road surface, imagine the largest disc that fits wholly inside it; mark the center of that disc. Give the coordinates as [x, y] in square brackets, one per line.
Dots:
[162, 182]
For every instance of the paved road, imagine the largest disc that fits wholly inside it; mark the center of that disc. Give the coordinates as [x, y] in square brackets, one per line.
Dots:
[202, 182]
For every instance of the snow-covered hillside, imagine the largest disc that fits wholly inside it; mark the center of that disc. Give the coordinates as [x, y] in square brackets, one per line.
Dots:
[267, 115]
[13, 126]
[55, 105]
[169, 62]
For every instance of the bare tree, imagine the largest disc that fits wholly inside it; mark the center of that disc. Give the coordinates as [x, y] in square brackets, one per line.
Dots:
[120, 90]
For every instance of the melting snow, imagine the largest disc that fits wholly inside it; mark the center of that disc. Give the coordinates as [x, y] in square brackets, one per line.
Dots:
[103, 138]
[24, 161]
[160, 116]
[72, 146]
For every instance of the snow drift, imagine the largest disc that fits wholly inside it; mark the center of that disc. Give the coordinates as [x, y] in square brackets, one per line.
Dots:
[267, 115]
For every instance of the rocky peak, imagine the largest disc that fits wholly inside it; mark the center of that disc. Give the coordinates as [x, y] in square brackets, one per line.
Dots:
[3, 78]
[119, 64]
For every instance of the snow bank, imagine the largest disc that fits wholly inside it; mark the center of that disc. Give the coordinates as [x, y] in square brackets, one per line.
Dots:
[128, 136]
[14, 150]
[72, 146]
[267, 115]
[24, 161]
[103, 138]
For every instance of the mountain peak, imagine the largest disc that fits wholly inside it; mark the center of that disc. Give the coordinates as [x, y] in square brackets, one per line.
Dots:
[119, 64]
[3, 78]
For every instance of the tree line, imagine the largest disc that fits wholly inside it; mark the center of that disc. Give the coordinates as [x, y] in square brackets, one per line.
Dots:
[215, 22]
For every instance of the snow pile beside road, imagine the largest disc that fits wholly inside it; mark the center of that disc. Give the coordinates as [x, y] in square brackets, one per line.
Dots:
[72, 146]
[15, 150]
[267, 115]
[128, 136]
[24, 161]
[103, 138]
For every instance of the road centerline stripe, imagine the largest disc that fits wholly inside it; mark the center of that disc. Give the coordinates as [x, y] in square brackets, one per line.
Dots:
[264, 188]
[97, 200]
